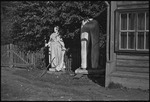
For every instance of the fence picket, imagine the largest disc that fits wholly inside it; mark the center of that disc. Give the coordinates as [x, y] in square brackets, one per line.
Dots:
[15, 56]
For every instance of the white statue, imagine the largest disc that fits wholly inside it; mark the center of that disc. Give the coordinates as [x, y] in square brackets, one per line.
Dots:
[57, 50]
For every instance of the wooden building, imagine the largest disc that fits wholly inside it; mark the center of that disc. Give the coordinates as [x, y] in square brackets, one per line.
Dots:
[128, 44]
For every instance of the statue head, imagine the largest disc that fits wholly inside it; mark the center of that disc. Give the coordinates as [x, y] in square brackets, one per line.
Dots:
[86, 21]
[56, 29]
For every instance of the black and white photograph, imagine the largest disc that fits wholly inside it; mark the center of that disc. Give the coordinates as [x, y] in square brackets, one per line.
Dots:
[75, 50]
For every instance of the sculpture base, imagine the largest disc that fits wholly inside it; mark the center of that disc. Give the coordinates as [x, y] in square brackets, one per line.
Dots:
[90, 71]
[53, 70]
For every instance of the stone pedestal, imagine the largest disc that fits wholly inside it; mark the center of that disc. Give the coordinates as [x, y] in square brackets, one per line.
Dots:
[53, 71]
[90, 71]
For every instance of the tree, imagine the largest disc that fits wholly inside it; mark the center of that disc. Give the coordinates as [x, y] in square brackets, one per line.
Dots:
[7, 9]
[34, 20]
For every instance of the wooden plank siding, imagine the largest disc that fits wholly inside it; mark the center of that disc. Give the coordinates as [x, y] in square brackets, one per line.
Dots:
[132, 71]
[132, 63]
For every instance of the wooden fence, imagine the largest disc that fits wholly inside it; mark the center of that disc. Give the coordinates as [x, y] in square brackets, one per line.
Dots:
[11, 56]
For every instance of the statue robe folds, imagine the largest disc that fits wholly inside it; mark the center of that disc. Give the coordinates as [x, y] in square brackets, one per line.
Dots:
[57, 51]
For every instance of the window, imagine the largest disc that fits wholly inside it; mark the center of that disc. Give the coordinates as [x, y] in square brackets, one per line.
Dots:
[134, 31]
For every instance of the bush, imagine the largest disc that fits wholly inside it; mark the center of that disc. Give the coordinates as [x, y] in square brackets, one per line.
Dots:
[40, 63]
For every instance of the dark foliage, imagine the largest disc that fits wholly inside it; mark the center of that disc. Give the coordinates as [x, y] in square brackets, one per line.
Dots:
[32, 21]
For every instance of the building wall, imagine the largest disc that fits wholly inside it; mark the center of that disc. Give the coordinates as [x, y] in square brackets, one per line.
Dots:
[128, 69]
[111, 56]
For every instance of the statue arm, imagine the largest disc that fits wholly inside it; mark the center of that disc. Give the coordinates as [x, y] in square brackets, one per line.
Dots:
[60, 40]
[49, 42]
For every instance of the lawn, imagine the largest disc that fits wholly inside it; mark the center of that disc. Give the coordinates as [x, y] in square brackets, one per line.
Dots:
[27, 85]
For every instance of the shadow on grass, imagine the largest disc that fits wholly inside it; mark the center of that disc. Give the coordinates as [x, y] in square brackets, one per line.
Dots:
[98, 79]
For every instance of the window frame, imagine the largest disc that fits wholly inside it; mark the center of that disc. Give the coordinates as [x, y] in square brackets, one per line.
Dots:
[117, 35]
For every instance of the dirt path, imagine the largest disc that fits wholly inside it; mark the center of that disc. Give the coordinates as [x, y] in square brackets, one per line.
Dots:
[19, 84]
